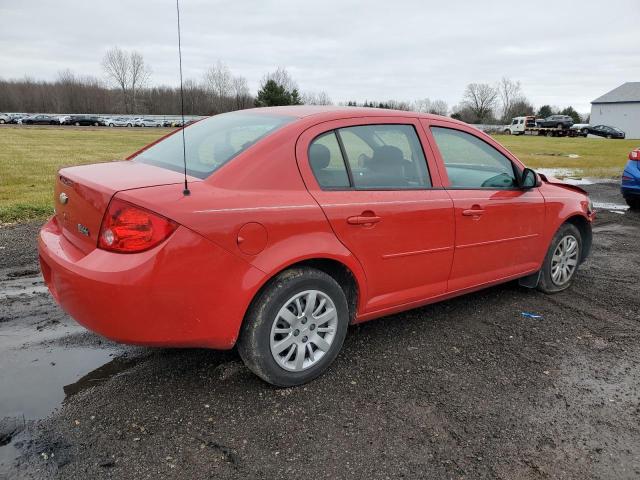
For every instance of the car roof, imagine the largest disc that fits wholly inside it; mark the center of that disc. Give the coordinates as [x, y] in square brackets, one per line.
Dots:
[332, 112]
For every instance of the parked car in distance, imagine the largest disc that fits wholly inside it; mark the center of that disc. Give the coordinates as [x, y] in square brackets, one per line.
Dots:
[118, 122]
[147, 122]
[300, 221]
[83, 120]
[583, 128]
[39, 120]
[4, 118]
[16, 117]
[630, 183]
[555, 121]
[604, 131]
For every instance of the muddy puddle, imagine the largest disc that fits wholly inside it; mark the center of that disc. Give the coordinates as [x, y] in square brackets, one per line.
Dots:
[45, 358]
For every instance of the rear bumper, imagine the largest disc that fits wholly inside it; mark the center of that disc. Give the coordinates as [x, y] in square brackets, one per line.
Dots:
[186, 292]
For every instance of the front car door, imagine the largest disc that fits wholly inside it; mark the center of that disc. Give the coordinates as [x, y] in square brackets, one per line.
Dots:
[498, 225]
[382, 195]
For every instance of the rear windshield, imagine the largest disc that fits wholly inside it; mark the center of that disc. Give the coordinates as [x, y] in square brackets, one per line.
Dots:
[212, 142]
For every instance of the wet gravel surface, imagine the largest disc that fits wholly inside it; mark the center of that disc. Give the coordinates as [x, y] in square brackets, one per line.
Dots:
[467, 388]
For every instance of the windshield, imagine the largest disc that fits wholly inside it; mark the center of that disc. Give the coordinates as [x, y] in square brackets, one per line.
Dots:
[212, 142]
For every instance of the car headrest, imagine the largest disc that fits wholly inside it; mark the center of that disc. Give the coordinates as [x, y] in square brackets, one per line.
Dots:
[319, 156]
[222, 152]
[385, 158]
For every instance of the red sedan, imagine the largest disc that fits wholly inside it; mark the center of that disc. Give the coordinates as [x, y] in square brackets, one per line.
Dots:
[299, 222]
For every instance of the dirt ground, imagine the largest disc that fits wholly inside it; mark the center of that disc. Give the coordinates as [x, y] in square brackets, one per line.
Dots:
[467, 388]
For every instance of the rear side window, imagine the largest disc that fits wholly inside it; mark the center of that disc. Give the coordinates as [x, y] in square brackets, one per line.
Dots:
[472, 163]
[371, 157]
[212, 142]
[327, 162]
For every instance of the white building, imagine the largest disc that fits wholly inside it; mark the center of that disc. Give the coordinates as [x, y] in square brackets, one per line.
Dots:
[619, 108]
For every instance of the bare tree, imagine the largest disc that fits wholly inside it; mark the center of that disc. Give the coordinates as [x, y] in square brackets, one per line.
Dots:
[116, 64]
[219, 83]
[510, 92]
[316, 98]
[241, 92]
[139, 74]
[426, 105]
[481, 99]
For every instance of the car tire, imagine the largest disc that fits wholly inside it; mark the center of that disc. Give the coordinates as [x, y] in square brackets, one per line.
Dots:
[562, 260]
[111, 125]
[77, 124]
[507, 132]
[2, 121]
[129, 125]
[298, 349]
[634, 203]
[609, 137]
[585, 132]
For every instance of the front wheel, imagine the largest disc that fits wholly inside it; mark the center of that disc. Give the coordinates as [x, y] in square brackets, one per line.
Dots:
[562, 260]
[295, 327]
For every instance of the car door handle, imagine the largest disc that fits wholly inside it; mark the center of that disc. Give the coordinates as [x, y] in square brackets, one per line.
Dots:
[473, 212]
[363, 220]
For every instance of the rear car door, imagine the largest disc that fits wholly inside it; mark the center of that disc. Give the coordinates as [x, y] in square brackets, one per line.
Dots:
[385, 203]
[498, 225]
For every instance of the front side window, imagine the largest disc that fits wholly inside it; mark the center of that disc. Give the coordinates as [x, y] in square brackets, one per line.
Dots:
[212, 142]
[384, 157]
[472, 163]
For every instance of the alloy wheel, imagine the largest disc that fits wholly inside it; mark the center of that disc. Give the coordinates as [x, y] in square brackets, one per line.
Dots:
[565, 260]
[303, 330]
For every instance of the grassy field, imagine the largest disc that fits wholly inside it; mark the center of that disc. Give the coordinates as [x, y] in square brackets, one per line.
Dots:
[30, 157]
[596, 157]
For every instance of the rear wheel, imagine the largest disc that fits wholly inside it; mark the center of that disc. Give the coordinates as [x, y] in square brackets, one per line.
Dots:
[129, 125]
[507, 132]
[609, 137]
[77, 124]
[295, 327]
[585, 132]
[562, 260]
[634, 203]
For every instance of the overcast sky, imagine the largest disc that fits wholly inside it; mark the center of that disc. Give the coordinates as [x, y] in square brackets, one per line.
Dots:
[570, 53]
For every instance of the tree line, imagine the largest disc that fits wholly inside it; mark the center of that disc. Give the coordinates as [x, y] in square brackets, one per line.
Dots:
[125, 89]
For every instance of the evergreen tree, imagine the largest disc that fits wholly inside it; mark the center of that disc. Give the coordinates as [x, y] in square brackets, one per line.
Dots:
[545, 111]
[570, 111]
[273, 94]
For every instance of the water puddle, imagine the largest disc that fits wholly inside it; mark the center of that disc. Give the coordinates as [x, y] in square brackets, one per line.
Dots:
[612, 207]
[572, 177]
[45, 358]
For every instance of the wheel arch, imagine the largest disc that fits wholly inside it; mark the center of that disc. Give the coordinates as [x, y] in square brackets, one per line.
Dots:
[584, 227]
[351, 283]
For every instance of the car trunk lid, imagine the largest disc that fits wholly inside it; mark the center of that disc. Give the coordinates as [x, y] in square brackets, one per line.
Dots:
[82, 195]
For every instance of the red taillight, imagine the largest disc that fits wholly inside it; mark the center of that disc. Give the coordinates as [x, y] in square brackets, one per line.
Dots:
[635, 155]
[129, 229]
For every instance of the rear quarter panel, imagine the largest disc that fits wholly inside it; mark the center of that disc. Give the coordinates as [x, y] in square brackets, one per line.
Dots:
[261, 188]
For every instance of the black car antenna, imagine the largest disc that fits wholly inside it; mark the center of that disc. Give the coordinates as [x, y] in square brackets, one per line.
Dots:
[186, 190]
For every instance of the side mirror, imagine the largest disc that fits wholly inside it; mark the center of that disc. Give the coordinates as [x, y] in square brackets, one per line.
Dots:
[529, 179]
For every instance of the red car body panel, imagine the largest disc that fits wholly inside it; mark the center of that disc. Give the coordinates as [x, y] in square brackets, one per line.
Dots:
[263, 212]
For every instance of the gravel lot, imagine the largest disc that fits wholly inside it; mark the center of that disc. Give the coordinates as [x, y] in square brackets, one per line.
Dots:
[467, 388]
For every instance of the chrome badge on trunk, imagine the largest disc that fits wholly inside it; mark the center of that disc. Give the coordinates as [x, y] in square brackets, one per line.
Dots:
[83, 230]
